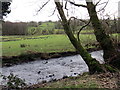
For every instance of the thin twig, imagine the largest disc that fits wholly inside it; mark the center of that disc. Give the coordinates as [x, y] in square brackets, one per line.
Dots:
[97, 3]
[43, 6]
[77, 19]
[78, 5]
[104, 6]
[66, 5]
[102, 3]
[53, 12]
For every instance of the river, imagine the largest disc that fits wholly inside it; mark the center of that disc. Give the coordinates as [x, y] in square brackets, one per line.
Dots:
[53, 69]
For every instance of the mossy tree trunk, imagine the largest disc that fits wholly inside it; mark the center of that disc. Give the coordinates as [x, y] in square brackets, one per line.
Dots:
[104, 39]
[93, 65]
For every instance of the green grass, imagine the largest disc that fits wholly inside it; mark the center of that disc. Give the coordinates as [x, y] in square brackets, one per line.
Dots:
[44, 43]
[17, 45]
[87, 31]
[79, 82]
[85, 81]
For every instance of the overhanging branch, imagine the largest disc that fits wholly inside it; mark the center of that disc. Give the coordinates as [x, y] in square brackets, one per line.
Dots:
[76, 19]
[97, 3]
[78, 34]
[43, 6]
[78, 5]
[104, 6]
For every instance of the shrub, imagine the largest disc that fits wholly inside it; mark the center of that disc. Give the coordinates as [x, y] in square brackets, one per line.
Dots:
[14, 82]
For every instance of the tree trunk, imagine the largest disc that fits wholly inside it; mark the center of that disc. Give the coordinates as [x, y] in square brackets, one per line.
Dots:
[93, 65]
[104, 39]
[118, 25]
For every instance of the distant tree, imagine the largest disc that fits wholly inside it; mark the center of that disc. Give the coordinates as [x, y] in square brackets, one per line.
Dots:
[9, 28]
[73, 25]
[39, 23]
[58, 25]
[33, 24]
[49, 21]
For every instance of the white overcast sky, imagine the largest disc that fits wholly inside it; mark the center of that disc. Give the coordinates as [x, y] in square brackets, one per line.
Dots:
[25, 10]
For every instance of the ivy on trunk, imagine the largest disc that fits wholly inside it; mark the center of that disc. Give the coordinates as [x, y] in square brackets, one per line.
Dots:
[93, 64]
[104, 39]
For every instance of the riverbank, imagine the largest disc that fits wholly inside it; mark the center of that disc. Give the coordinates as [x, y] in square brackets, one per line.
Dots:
[29, 48]
[103, 80]
[85, 81]
[25, 58]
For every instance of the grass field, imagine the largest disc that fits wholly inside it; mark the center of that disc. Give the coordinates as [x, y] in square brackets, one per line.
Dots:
[17, 45]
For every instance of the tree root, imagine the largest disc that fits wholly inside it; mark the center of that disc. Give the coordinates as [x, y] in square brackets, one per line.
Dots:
[96, 67]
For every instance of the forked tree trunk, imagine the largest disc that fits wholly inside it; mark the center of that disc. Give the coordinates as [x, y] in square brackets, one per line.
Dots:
[93, 65]
[104, 39]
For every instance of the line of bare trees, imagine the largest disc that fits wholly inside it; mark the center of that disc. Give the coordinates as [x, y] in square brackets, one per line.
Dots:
[21, 28]
[9, 28]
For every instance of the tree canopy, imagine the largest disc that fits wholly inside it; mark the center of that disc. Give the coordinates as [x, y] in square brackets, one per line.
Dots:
[5, 8]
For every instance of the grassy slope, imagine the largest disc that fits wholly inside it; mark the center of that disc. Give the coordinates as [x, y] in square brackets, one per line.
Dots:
[104, 80]
[47, 25]
[72, 82]
[51, 25]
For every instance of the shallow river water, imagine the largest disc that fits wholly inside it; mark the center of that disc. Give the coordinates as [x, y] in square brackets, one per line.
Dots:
[52, 69]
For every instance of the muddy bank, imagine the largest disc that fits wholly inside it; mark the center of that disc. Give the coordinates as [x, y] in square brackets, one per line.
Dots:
[15, 60]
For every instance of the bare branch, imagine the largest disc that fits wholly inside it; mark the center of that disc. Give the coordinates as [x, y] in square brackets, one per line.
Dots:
[53, 12]
[66, 5]
[101, 3]
[43, 6]
[66, 8]
[104, 6]
[79, 5]
[77, 19]
[87, 23]
[70, 19]
[97, 3]
[78, 34]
